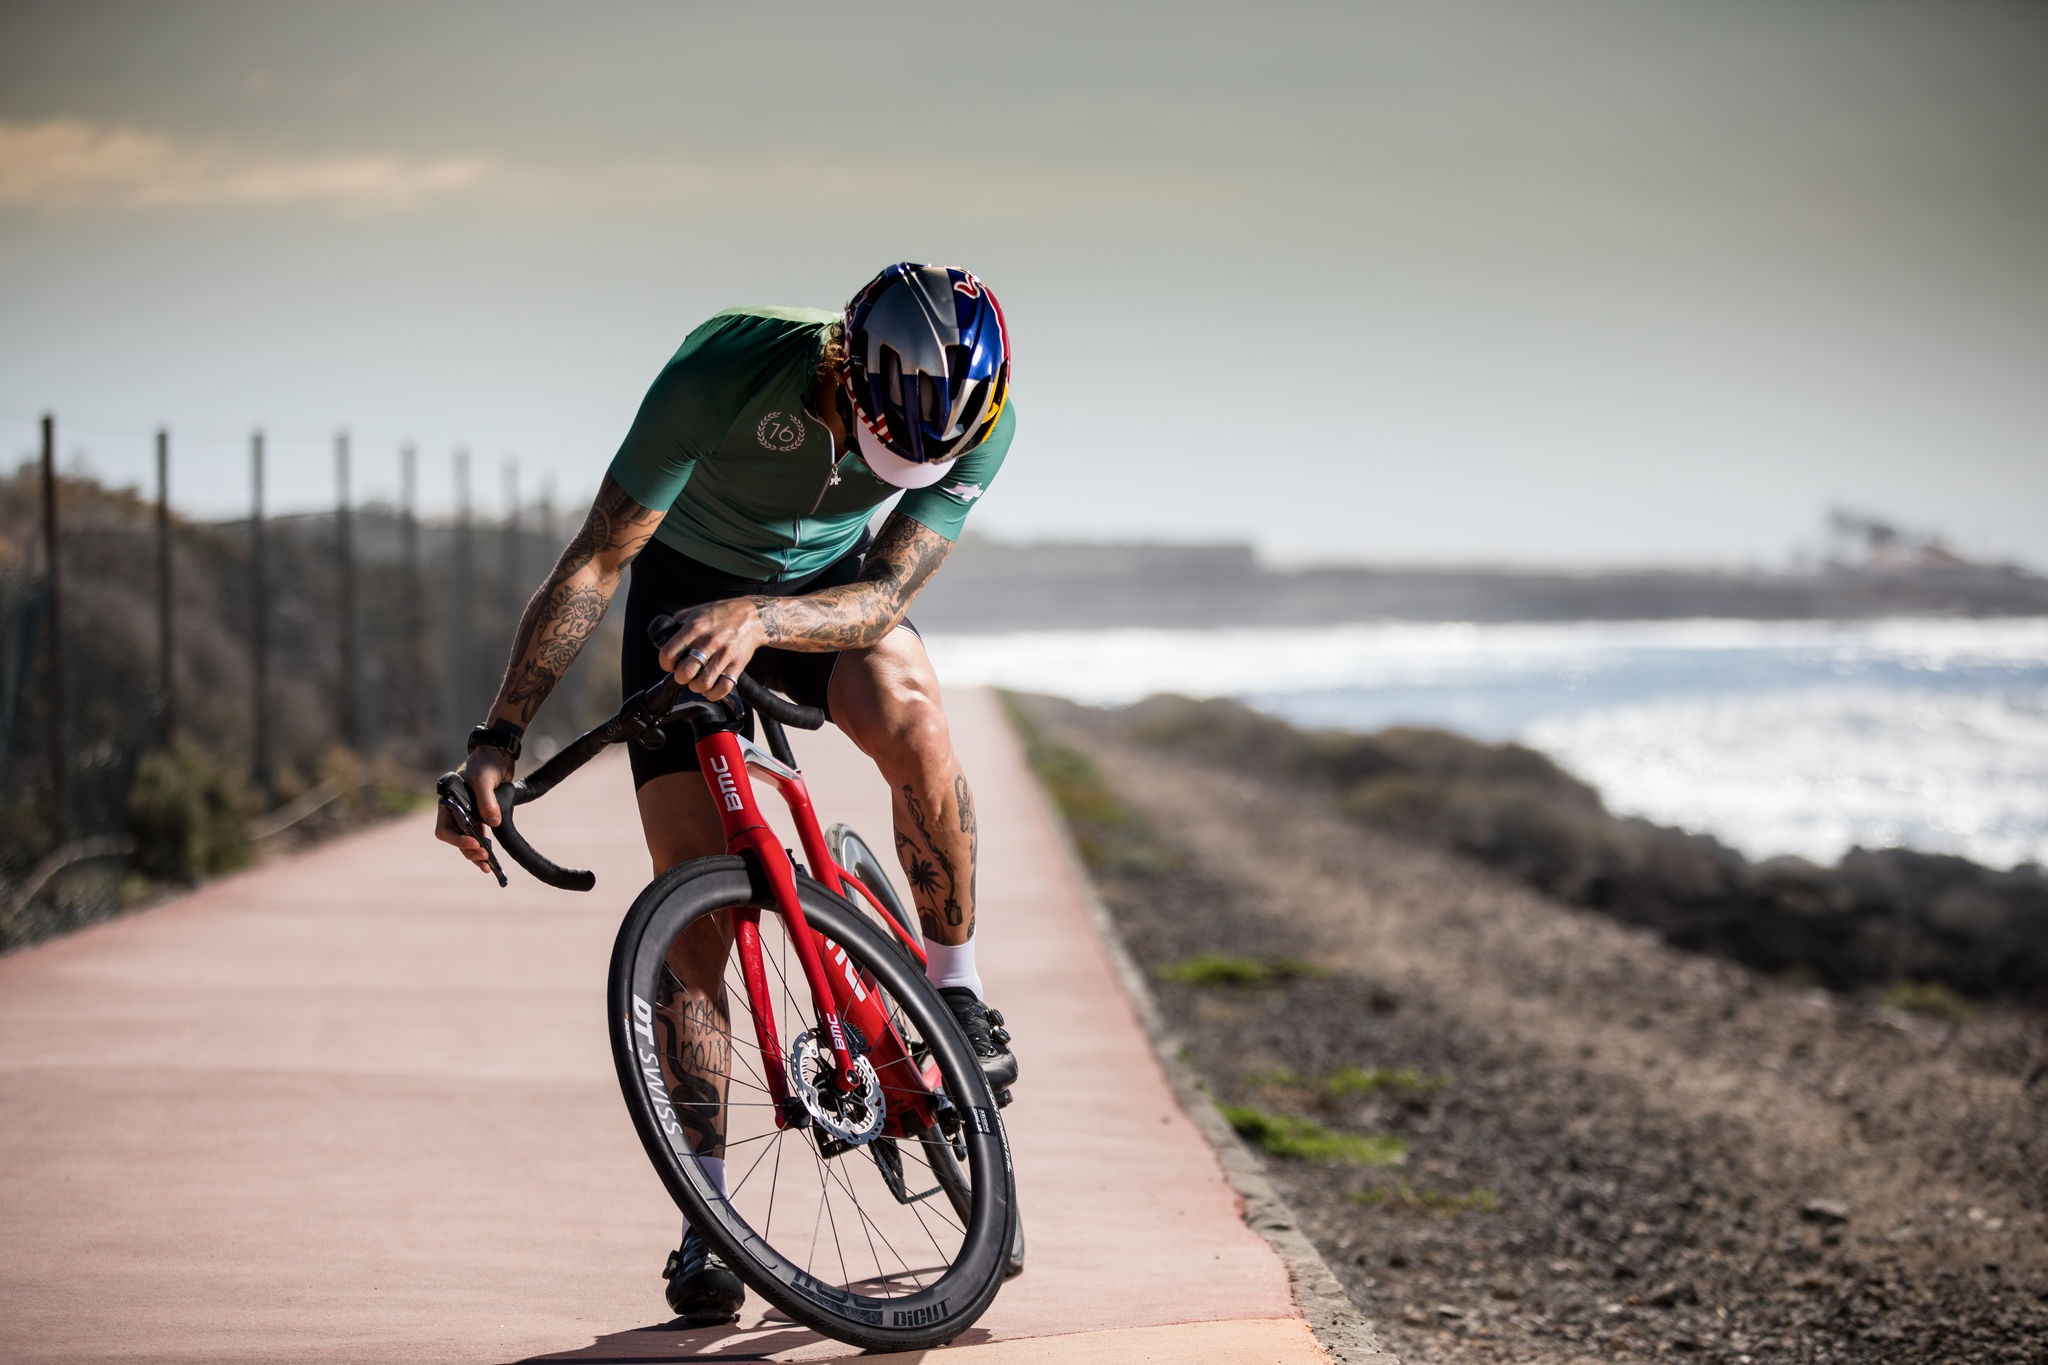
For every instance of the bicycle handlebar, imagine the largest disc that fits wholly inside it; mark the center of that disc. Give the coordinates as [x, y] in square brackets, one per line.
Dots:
[640, 719]
[526, 855]
[775, 707]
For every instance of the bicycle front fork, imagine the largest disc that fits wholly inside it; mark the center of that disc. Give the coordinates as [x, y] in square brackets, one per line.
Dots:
[838, 992]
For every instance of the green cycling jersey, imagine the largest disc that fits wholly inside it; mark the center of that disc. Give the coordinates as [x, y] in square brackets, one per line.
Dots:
[753, 486]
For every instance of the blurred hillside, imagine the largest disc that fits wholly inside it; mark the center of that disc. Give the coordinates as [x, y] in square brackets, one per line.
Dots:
[990, 585]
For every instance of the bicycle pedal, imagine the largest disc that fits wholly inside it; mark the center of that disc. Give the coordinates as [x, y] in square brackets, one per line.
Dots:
[1003, 1099]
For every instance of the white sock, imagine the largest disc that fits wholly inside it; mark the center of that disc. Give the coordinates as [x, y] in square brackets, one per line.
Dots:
[714, 1171]
[949, 965]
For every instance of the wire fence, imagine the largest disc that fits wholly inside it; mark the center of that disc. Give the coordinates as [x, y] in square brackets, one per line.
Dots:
[168, 682]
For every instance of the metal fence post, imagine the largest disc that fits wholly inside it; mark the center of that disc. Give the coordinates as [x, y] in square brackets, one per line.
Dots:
[509, 590]
[344, 534]
[59, 739]
[412, 639]
[461, 594]
[259, 626]
[166, 669]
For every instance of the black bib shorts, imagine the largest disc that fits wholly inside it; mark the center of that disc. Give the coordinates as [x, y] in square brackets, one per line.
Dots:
[665, 581]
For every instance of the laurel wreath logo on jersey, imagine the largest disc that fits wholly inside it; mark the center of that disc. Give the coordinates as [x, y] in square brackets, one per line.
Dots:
[778, 431]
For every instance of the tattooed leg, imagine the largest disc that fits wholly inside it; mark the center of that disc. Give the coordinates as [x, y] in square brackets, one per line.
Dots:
[694, 1027]
[886, 699]
[936, 843]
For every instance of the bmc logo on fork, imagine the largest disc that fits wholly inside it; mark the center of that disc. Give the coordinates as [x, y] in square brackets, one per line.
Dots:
[838, 955]
[728, 790]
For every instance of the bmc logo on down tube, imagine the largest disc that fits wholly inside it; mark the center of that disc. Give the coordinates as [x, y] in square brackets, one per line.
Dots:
[728, 790]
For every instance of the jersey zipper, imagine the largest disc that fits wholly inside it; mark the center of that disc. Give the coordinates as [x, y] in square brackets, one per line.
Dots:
[796, 539]
[831, 470]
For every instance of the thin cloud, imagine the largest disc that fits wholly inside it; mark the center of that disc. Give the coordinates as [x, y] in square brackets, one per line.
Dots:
[70, 164]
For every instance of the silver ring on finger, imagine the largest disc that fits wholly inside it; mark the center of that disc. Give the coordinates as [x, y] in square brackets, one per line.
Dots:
[703, 659]
[729, 680]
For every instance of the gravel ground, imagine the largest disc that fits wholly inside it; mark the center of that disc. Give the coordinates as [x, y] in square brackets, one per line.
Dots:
[1614, 1150]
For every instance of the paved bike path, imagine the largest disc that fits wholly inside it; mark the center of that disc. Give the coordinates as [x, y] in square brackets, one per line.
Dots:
[358, 1105]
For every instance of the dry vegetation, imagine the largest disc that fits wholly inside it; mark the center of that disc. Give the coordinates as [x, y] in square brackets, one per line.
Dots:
[1592, 1144]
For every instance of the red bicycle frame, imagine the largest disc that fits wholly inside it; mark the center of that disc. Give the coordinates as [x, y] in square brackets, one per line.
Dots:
[728, 761]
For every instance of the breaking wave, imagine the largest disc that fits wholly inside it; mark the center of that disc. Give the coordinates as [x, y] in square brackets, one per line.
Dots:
[1802, 737]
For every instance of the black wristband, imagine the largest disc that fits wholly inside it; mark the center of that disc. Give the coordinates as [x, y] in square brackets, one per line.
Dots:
[498, 734]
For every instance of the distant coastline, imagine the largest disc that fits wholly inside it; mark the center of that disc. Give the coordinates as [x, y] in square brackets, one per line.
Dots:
[991, 585]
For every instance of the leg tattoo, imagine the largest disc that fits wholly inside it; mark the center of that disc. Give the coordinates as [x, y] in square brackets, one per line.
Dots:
[932, 852]
[696, 1045]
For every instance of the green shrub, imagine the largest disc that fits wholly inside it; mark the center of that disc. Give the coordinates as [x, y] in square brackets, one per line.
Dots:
[1430, 1201]
[1930, 998]
[1307, 1140]
[1223, 969]
[1347, 1082]
[189, 815]
[1351, 1080]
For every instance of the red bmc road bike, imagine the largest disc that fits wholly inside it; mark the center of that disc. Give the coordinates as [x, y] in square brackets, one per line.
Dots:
[871, 1195]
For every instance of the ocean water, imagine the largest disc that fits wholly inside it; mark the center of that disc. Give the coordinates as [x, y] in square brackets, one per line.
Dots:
[1802, 737]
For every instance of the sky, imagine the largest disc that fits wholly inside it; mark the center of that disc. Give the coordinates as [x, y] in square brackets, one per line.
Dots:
[1539, 281]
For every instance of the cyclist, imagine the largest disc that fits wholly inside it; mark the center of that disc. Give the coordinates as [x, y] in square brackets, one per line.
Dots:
[741, 498]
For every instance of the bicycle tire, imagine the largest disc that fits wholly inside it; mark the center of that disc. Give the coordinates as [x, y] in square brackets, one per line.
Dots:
[854, 855]
[900, 1307]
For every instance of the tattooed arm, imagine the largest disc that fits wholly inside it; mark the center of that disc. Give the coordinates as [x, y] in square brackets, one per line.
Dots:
[557, 622]
[852, 616]
[904, 558]
[562, 615]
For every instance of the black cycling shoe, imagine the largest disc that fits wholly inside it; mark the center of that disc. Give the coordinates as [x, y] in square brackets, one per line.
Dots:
[702, 1290]
[987, 1036]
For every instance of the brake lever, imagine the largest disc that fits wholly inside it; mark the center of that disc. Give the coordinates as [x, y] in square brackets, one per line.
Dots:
[457, 797]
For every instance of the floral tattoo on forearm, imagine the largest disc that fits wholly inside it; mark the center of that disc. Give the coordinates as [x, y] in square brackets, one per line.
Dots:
[564, 614]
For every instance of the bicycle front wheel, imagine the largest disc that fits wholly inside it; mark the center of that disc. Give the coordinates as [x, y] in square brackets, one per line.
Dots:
[878, 1216]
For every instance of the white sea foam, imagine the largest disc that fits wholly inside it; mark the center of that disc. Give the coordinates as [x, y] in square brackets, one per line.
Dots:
[1112, 666]
[1817, 770]
[1777, 736]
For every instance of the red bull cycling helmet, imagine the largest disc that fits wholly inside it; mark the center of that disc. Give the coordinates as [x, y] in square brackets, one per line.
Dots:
[927, 368]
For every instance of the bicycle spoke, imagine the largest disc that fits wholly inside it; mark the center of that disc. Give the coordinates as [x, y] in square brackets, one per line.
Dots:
[774, 1183]
[817, 1222]
[759, 1157]
[869, 1223]
[825, 1202]
[867, 1226]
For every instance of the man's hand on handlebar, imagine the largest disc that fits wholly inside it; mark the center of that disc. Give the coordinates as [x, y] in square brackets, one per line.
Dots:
[713, 645]
[485, 769]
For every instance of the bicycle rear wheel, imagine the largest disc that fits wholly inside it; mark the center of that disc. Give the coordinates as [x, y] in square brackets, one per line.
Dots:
[856, 857]
[879, 1222]
[853, 854]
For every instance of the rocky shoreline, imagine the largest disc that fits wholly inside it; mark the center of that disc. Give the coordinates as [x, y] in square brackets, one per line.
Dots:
[1893, 919]
[1521, 1129]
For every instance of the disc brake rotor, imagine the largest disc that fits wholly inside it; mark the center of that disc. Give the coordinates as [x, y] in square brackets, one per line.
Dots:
[852, 1116]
